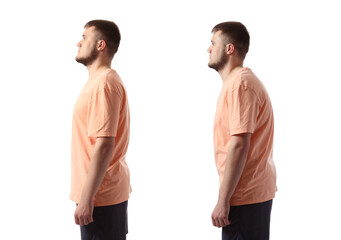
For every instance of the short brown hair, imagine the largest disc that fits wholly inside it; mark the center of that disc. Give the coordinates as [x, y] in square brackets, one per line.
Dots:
[107, 31]
[237, 34]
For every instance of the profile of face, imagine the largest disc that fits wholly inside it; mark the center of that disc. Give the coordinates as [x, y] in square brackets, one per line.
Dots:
[218, 57]
[87, 52]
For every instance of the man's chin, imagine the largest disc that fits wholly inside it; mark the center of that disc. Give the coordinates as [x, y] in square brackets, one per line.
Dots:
[81, 60]
[213, 66]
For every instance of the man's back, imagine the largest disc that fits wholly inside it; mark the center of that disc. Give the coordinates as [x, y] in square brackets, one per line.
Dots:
[245, 107]
[101, 110]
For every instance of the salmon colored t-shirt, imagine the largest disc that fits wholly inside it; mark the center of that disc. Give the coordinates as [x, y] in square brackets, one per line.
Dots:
[101, 111]
[245, 107]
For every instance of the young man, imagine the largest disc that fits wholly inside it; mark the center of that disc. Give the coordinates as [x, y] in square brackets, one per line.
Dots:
[243, 139]
[100, 183]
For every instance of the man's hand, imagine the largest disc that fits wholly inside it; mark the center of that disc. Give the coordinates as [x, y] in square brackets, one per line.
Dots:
[220, 215]
[84, 212]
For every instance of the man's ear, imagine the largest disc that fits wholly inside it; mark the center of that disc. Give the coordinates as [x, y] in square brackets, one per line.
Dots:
[101, 44]
[229, 49]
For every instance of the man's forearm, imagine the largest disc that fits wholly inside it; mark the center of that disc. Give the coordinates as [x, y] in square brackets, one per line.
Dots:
[235, 162]
[99, 163]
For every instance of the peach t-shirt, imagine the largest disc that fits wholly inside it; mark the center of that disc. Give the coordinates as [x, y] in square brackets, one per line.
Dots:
[101, 111]
[245, 107]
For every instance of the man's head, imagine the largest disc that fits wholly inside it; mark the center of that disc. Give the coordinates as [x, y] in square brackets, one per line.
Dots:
[99, 36]
[228, 38]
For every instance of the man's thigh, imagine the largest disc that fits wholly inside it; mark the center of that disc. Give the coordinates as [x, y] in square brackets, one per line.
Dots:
[249, 222]
[110, 223]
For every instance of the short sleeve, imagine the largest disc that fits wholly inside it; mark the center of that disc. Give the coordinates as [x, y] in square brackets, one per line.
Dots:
[103, 114]
[243, 109]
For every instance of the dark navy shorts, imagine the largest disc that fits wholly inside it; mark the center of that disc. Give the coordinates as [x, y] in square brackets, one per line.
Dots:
[110, 223]
[249, 222]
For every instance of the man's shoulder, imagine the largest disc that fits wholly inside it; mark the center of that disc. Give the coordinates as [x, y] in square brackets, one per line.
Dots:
[247, 77]
[248, 80]
[112, 77]
[112, 82]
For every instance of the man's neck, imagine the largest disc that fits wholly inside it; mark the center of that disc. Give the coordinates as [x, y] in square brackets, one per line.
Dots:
[229, 69]
[97, 67]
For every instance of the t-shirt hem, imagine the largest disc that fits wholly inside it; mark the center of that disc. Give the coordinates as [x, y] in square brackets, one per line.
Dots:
[99, 204]
[106, 203]
[252, 201]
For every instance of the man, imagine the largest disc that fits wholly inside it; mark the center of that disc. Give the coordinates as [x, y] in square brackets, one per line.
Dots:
[100, 183]
[243, 139]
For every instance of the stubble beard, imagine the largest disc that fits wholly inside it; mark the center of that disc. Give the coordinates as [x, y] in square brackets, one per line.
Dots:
[88, 59]
[220, 64]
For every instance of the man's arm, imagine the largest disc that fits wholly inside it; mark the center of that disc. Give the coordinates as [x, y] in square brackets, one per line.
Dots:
[99, 163]
[235, 162]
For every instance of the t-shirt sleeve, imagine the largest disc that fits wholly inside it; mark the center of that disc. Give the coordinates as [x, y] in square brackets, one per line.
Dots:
[243, 110]
[103, 114]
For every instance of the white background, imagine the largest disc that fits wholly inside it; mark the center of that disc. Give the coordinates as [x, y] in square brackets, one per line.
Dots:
[295, 50]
